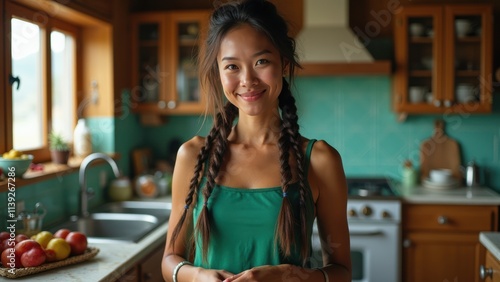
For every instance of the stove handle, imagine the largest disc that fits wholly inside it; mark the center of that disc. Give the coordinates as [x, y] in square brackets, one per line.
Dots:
[374, 232]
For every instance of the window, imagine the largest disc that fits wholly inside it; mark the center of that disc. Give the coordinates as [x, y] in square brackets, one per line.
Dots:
[41, 62]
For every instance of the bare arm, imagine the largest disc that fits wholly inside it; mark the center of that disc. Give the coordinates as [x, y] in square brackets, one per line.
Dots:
[173, 255]
[328, 179]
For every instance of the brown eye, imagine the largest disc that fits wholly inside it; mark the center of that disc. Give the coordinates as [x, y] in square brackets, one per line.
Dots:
[231, 67]
[261, 61]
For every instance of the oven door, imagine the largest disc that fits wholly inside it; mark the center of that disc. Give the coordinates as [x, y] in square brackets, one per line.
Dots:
[375, 252]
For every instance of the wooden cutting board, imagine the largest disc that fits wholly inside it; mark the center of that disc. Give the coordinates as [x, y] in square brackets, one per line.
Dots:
[440, 151]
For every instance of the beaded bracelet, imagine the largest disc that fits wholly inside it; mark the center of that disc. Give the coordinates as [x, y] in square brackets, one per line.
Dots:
[176, 269]
[324, 274]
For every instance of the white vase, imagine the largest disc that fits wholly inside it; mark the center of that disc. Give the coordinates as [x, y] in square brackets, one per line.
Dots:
[82, 139]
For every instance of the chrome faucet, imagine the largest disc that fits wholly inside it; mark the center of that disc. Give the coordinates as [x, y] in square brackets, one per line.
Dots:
[87, 193]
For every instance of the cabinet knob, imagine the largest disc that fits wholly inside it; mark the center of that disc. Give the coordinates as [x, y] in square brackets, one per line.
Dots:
[162, 105]
[442, 220]
[171, 104]
[407, 243]
[437, 103]
[485, 272]
[447, 103]
[352, 213]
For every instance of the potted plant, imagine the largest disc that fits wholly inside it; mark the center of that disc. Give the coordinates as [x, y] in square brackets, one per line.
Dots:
[59, 148]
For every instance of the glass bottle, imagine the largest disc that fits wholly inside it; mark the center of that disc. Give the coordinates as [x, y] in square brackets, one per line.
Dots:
[82, 139]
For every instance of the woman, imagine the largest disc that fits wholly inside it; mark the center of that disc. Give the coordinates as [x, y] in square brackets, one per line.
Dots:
[244, 198]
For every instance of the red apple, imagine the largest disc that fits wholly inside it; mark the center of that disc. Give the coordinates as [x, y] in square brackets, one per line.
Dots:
[33, 257]
[51, 255]
[62, 233]
[21, 237]
[77, 241]
[7, 243]
[10, 260]
[4, 235]
[30, 253]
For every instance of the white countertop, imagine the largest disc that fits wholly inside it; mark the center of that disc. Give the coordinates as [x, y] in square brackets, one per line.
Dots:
[458, 196]
[491, 241]
[112, 261]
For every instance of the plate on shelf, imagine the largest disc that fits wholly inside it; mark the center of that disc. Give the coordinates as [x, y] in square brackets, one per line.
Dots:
[427, 183]
[19, 272]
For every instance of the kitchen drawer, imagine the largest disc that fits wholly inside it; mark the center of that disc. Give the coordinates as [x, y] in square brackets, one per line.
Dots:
[449, 217]
[493, 264]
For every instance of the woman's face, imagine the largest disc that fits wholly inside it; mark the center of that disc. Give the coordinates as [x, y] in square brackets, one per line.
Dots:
[250, 70]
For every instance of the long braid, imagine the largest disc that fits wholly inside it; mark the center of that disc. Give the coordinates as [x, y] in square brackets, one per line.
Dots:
[223, 127]
[291, 138]
[194, 183]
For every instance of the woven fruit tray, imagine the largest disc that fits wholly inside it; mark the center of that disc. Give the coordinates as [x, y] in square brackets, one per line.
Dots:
[19, 272]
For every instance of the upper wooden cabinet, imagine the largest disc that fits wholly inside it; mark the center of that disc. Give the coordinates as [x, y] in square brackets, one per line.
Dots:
[443, 59]
[164, 69]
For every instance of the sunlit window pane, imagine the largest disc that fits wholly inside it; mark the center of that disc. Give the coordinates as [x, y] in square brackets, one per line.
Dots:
[27, 109]
[63, 65]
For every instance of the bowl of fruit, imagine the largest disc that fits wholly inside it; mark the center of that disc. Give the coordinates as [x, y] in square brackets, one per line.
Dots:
[15, 162]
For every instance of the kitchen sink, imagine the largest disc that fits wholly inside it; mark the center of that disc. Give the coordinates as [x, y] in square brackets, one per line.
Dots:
[159, 209]
[112, 226]
[119, 221]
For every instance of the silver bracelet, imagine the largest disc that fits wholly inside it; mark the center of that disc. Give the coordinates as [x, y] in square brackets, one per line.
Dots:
[176, 269]
[324, 274]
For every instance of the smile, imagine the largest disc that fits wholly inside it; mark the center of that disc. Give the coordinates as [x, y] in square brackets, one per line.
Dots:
[252, 96]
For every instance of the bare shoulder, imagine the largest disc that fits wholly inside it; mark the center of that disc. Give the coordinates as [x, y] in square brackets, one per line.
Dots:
[324, 155]
[189, 150]
[326, 173]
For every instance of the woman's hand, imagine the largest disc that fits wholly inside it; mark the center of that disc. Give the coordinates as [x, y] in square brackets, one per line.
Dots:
[269, 273]
[210, 275]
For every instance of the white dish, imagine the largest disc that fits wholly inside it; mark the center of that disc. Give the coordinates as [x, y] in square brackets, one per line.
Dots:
[452, 183]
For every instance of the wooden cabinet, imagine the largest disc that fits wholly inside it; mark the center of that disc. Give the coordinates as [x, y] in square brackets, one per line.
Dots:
[441, 242]
[443, 59]
[147, 270]
[150, 267]
[490, 272]
[164, 71]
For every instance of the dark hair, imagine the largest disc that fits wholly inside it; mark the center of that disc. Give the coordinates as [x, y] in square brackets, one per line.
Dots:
[263, 16]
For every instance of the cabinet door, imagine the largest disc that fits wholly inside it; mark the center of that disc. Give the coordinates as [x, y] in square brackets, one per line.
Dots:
[468, 57]
[418, 77]
[494, 265]
[151, 267]
[149, 73]
[187, 30]
[440, 256]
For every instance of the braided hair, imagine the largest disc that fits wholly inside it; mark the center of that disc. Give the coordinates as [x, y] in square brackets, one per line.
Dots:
[263, 16]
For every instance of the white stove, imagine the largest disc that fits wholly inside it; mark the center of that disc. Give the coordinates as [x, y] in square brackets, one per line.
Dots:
[374, 216]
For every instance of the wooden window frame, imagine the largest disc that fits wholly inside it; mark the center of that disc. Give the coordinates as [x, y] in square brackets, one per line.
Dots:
[46, 24]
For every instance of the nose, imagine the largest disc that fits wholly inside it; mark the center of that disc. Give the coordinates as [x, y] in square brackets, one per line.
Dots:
[248, 78]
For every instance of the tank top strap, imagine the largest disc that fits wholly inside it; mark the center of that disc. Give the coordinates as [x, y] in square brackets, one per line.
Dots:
[308, 155]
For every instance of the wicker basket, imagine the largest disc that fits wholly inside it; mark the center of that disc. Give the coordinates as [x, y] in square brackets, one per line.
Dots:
[19, 272]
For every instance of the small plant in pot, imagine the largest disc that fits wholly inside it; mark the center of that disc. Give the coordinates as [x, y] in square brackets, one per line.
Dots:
[59, 148]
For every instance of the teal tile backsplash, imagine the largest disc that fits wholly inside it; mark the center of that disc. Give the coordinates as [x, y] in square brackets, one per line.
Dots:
[351, 113]
[354, 115]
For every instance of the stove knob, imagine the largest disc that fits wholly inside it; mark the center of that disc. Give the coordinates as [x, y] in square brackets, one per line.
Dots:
[352, 213]
[366, 211]
[386, 214]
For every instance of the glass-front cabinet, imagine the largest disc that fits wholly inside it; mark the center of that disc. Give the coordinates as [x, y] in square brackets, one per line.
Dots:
[443, 59]
[164, 70]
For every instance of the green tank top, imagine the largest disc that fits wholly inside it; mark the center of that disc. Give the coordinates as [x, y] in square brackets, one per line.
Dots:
[242, 233]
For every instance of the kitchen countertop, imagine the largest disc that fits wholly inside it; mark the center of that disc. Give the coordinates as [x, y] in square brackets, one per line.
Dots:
[112, 261]
[491, 241]
[455, 196]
